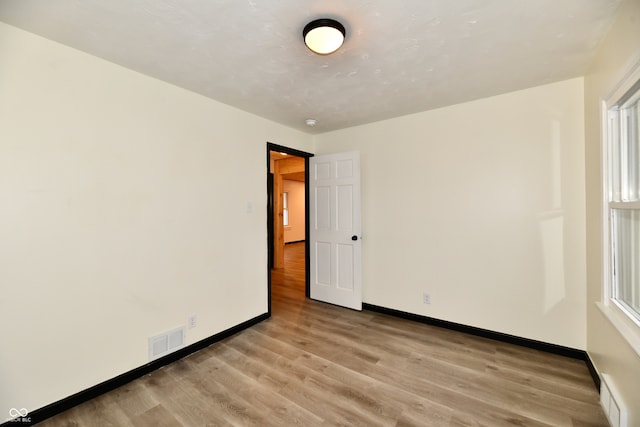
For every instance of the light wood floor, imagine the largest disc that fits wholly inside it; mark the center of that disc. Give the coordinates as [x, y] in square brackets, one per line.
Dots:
[315, 364]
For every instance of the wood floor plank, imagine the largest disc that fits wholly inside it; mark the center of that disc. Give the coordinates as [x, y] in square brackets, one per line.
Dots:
[315, 364]
[102, 408]
[158, 416]
[538, 404]
[277, 409]
[134, 399]
[444, 392]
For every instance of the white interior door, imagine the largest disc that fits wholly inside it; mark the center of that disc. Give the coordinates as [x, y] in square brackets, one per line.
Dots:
[335, 229]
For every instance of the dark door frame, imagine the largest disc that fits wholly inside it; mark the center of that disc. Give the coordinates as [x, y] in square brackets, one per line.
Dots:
[270, 214]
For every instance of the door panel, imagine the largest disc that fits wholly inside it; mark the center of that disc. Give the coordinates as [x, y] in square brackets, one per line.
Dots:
[345, 267]
[323, 213]
[344, 218]
[323, 264]
[335, 243]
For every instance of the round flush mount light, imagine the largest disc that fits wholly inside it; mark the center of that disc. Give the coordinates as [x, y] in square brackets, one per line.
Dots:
[323, 36]
[310, 122]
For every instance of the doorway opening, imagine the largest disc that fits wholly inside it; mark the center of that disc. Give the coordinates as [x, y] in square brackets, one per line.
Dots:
[287, 172]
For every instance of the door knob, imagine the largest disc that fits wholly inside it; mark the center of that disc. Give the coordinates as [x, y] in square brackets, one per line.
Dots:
[354, 238]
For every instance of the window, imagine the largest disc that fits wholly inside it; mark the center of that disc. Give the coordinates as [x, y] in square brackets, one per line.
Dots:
[285, 208]
[623, 201]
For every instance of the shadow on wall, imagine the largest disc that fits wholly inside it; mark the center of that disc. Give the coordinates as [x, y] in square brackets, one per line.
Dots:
[551, 225]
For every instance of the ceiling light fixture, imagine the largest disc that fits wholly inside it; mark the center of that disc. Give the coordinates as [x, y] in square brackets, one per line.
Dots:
[311, 122]
[324, 36]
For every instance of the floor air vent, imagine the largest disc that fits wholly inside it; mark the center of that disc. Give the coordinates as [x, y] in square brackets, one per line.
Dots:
[165, 343]
[611, 403]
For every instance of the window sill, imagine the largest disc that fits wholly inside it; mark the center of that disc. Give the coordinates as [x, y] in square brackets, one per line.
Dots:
[627, 328]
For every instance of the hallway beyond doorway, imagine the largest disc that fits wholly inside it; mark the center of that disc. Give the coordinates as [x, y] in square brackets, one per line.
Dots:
[288, 283]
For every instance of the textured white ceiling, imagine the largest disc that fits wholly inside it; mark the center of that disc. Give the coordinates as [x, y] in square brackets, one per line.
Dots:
[399, 57]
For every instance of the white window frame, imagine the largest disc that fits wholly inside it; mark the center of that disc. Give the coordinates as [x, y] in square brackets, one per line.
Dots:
[626, 323]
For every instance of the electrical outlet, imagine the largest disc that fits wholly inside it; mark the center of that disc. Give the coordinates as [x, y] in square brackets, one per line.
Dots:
[426, 298]
[192, 321]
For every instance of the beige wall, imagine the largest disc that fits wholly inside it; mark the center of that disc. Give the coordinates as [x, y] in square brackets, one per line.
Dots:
[117, 220]
[609, 350]
[481, 205]
[296, 229]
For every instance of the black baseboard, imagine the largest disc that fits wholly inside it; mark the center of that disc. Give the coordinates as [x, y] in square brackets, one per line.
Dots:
[498, 336]
[594, 372]
[55, 408]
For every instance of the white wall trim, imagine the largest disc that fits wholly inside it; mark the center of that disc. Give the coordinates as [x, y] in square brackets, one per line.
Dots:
[623, 323]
